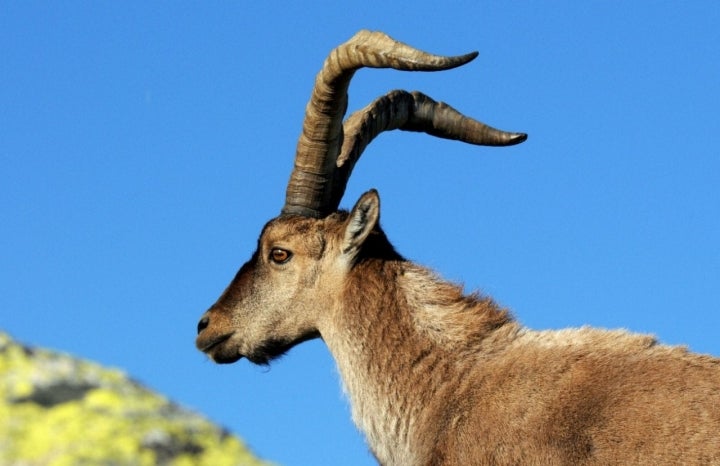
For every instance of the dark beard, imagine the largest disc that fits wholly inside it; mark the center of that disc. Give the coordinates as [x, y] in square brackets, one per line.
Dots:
[274, 348]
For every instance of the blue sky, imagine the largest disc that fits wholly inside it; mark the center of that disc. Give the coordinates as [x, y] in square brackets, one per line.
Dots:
[144, 144]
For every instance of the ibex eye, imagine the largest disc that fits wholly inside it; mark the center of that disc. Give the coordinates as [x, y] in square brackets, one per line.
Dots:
[280, 256]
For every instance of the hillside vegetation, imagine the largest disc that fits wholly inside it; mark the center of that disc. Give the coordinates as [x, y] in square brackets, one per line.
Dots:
[58, 410]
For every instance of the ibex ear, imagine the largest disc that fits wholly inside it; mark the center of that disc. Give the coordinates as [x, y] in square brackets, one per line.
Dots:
[363, 218]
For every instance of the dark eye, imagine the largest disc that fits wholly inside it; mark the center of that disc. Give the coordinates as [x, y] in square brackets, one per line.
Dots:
[280, 256]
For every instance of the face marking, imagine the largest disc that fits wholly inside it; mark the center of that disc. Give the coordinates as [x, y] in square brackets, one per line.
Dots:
[270, 307]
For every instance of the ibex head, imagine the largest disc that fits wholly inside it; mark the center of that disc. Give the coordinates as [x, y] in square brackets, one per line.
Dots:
[284, 294]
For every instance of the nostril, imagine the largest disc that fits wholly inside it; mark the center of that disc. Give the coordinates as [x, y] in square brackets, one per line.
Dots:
[202, 325]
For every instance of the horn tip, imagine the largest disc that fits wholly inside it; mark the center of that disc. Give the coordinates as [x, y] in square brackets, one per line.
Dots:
[517, 138]
[462, 59]
[504, 139]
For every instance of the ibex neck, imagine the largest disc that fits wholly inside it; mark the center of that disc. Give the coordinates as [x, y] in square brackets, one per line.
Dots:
[396, 338]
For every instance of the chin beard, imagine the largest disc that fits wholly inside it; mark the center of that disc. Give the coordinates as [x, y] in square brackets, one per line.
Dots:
[275, 348]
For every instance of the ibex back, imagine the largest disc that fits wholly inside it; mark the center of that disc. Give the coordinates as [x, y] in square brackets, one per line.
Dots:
[435, 376]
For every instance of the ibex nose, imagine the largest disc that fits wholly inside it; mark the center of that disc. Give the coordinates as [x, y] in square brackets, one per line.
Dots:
[204, 322]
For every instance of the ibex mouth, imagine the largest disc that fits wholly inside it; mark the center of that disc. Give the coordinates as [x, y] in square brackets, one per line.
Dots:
[214, 348]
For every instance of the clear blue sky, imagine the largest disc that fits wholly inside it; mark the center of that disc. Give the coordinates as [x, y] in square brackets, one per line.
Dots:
[144, 144]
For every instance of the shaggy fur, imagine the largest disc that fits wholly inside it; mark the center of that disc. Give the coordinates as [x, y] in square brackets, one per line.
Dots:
[453, 380]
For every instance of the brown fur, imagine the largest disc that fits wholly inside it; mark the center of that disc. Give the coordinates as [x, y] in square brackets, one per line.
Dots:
[436, 377]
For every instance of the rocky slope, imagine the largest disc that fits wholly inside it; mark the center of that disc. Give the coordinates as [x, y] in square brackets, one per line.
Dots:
[58, 410]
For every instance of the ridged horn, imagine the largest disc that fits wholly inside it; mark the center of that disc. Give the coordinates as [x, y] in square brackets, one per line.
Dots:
[311, 186]
[410, 111]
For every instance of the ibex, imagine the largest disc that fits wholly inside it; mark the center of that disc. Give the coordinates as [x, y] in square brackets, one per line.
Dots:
[435, 376]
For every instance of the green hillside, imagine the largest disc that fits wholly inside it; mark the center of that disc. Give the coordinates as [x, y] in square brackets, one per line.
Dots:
[57, 410]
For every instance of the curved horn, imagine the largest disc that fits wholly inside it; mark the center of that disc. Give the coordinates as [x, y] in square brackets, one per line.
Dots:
[310, 189]
[410, 111]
